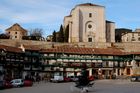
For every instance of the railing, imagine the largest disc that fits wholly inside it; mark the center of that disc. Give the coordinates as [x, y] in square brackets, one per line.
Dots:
[77, 58]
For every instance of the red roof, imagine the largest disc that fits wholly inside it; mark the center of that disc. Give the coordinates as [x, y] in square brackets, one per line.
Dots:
[69, 50]
[135, 53]
[80, 50]
[16, 27]
[11, 49]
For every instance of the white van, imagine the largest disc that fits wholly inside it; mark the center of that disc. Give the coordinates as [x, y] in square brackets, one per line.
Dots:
[57, 79]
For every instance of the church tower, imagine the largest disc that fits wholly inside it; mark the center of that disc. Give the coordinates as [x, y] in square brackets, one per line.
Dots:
[86, 23]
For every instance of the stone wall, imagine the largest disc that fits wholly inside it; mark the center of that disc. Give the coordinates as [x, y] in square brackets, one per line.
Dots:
[128, 47]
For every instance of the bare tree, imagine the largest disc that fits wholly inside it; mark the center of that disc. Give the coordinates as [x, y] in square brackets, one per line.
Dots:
[36, 32]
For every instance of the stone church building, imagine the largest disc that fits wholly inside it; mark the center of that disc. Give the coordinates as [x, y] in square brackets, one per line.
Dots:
[87, 24]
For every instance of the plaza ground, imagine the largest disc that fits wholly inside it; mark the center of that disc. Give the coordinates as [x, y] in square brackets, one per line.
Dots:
[101, 86]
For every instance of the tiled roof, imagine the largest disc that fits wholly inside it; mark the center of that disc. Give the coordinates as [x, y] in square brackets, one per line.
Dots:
[88, 4]
[69, 50]
[16, 27]
[135, 53]
[109, 51]
[10, 49]
[80, 50]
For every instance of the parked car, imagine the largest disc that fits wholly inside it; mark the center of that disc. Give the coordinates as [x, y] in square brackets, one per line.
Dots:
[28, 83]
[1, 84]
[73, 78]
[91, 78]
[17, 82]
[57, 79]
[67, 79]
[135, 78]
[5, 84]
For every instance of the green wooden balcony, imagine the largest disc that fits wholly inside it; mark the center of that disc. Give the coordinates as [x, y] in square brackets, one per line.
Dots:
[32, 54]
[84, 58]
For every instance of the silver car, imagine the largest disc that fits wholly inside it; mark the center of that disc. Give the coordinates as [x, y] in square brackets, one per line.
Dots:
[17, 82]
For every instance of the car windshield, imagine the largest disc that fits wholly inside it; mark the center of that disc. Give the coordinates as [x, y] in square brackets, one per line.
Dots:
[17, 81]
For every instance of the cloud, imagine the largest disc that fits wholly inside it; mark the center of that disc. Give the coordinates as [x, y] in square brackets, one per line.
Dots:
[32, 11]
[45, 14]
[3, 27]
[50, 13]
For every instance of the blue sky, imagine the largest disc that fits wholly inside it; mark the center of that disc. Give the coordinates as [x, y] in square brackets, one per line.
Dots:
[49, 14]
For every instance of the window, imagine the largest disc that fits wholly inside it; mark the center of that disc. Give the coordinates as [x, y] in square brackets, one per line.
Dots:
[89, 39]
[139, 39]
[89, 26]
[138, 64]
[15, 36]
[129, 63]
[132, 35]
[133, 39]
[15, 32]
[127, 38]
[90, 14]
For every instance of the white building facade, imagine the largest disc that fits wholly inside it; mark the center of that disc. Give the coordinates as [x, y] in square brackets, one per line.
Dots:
[87, 23]
[131, 36]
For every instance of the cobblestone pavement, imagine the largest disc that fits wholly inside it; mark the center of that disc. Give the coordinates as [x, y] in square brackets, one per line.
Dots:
[101, 86]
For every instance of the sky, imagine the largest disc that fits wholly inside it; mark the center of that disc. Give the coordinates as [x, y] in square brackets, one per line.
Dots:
[48, 15]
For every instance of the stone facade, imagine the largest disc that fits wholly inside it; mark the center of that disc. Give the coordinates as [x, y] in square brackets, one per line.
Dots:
[110, 31]
[119, 32]
[86, 23]
[131, 36]
[16, 32]
[125, 46]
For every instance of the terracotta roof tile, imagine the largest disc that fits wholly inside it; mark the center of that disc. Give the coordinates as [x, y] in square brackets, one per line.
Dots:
[16, 27]
[136, 53]
[80, 50]
[11, 49]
